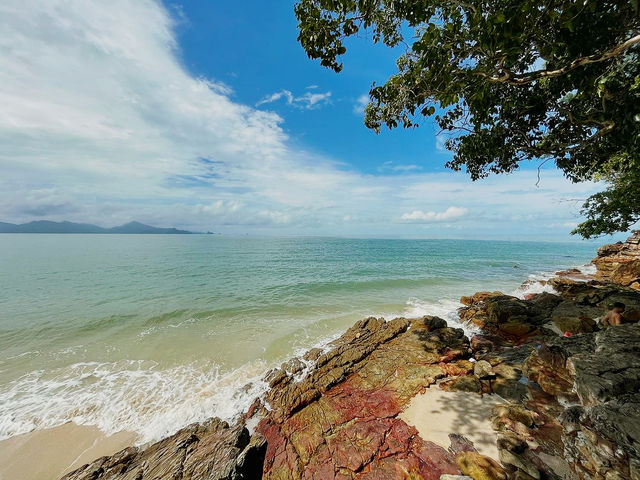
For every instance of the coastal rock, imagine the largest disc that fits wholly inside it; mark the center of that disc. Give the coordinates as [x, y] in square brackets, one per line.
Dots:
[460, 444]
[599, 436]
[572, 317]
[483, 369]
[344, 422]
[480, 467]
[509, 317]
[467, 383]
[213, 450]
[479, 297]
[481, 344]
[620, 262]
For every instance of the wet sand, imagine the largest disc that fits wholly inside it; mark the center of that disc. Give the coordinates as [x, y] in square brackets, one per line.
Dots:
[437, 413]
[49, 454]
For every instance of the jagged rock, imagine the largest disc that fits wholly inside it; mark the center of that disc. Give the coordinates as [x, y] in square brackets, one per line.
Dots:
[481, 344]
[509, 317]
[517, 413]
[575, 274]
[344, 422]
[208, 451]
[600, 437]
[520, 462]
[544, 303]
[569, 316]
[293, 366]
[620, 262]
[457, 368]
[333, 367]
[460, 443]
[313, 354]
[479, 297]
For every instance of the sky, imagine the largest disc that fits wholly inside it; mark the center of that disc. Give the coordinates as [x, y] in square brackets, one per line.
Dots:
[209, 116]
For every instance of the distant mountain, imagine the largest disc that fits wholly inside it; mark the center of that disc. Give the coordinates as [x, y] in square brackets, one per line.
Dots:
[46, 226]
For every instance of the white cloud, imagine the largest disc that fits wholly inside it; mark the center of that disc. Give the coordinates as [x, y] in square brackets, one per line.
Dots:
[390, 166]
[419, 216]
[100, 122]
[360, 104]
[307, 101]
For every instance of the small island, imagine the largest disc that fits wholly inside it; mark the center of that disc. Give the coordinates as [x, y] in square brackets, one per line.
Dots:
[47, 226]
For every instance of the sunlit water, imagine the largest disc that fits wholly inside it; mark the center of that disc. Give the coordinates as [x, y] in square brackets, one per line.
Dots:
[151, 332]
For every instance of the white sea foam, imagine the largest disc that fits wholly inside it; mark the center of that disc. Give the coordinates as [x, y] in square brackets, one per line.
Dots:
[537, 282]
[128, 395]
[445, 309]
[136, 396]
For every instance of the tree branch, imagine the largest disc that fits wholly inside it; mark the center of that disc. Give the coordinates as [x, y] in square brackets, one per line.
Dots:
[523, 79]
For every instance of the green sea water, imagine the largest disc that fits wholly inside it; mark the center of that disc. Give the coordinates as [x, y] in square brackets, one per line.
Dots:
[151, 332]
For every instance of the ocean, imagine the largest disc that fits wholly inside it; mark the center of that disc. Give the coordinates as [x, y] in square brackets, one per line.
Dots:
[149, 333]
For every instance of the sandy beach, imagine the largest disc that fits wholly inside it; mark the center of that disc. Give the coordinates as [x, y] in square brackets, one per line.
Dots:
[436, 413]
[49, 454]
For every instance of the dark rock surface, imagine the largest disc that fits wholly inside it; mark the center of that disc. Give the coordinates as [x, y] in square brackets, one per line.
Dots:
[214, 451]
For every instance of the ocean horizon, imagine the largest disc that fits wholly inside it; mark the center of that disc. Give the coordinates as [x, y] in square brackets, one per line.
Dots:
[151, 333]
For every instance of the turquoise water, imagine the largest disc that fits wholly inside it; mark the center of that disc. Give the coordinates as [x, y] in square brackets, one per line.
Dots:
[148, 333]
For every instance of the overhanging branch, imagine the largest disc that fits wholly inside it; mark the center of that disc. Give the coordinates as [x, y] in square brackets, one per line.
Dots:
[523, 79]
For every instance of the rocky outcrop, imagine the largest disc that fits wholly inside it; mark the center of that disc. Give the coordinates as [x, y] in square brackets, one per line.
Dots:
[212, 451]
[620, 262]
[581, 417]
[344, 424]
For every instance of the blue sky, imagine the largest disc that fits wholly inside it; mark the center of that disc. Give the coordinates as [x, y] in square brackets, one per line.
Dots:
[209, 116]
[252, 47]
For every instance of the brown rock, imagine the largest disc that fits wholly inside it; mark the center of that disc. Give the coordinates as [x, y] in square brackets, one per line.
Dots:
[480, 467]
[341, 419]
[481, 344]
[569, 316]
[196, 452]
[467, 383]
[516, 412]
[479, 297]
[620, 262]
[460, 443]
[483, 369]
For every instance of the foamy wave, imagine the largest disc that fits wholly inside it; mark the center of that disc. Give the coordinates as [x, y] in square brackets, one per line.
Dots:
[445, 309]
[588, 269]
[128, 395]
[537, 282]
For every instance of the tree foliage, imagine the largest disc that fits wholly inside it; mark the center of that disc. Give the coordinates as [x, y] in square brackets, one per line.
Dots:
[507, 81]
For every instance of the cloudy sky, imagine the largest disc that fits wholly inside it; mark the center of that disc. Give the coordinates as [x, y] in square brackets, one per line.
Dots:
[209, 116]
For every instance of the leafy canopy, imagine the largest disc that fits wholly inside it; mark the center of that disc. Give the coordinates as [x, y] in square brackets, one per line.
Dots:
[507, 81]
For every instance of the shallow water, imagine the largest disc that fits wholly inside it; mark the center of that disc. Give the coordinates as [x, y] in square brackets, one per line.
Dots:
[151, 332]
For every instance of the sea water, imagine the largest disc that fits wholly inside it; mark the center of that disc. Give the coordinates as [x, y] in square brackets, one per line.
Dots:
[149, 333]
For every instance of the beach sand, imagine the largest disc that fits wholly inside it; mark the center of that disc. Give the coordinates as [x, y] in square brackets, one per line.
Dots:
[49, 454]
[436, 413]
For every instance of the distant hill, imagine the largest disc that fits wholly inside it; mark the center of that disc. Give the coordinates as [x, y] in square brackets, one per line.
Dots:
[46, 226]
